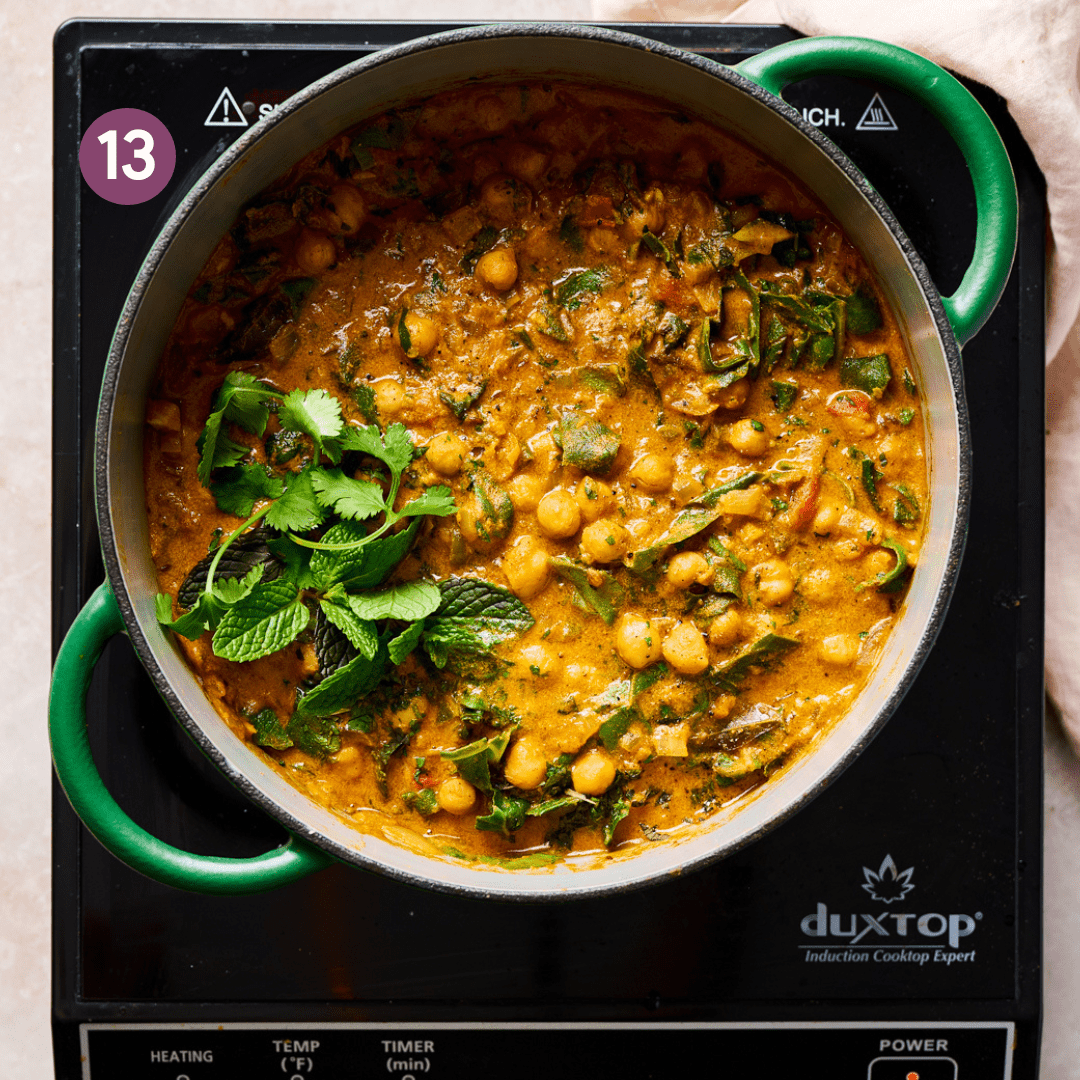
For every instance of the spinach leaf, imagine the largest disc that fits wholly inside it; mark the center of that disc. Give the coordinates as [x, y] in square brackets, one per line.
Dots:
[460, 403]
[315, 735]
[481, 243]
[661, 251]
[870, 477]
[570, 234]
[863, 313]
[616, 726]
[474, 761]
[506, 817]
[570, 291]
[605, 598]
[906, 509]
[871, 374]
[587, 444]
[729, 675]
[698, 515]
[783, 395]
[269, 731]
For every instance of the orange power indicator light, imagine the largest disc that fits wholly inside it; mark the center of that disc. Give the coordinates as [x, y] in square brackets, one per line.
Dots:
[912, 1076]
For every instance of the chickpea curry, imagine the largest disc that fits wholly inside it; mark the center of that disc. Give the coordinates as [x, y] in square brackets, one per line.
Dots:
[533, 471]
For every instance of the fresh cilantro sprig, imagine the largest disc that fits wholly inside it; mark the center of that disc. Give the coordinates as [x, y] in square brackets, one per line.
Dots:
[322, 541]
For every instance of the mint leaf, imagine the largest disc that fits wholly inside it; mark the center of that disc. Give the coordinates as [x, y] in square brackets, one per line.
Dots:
[360, 632]
[246, 551]
[345, 686]
[298, 510]
[482, 607]
[361, 567]
[240, 488]
[405, 642]
[408, 602]
[355, 500]
[270, 617]
[438, 501]
[312, 412]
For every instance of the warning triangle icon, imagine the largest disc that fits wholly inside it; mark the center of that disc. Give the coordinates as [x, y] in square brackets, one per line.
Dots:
[226, 113]
[876, 117]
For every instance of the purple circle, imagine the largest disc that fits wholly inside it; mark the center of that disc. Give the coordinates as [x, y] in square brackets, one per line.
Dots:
[127, 156]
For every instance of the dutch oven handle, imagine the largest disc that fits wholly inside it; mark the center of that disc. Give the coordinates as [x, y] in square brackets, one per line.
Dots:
[962, 116]
[98, 621]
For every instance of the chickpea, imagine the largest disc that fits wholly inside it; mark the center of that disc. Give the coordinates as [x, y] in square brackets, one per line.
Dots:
[456, 796]
[603, 240]
[637, 641]
[558, 514]
[775, 581]
[726, 629]
[525, 766]
[526, 568]
[446, 453]
[688, 568]
[827, 518]
[348, 204]
[505, 198]
[594, 498]
[525, 491]
[491, 113]
[880, 561]
[750, 502]
[314, 251]
[654, 472]
[389, 397]
[685, 649]
[604, 541]
[593, 772]
[423, 334]
[498, 268]
[818, 585]
[734, 396]
[839, 650]
[847, 550]
[747, 439]
[346, 755]
[526, 161]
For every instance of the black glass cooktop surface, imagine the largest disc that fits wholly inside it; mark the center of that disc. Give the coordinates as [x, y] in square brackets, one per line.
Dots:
[778, 953]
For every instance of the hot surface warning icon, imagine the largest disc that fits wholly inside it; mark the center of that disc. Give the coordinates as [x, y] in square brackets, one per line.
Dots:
[226, 113]
[877, 117]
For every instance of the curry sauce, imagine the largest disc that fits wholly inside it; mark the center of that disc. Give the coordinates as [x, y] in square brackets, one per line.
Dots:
[574, 446]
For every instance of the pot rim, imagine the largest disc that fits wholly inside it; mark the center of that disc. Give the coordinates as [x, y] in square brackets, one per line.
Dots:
[491, 884]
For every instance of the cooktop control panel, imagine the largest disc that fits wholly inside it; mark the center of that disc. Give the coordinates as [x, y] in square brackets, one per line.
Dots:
[909, 1051]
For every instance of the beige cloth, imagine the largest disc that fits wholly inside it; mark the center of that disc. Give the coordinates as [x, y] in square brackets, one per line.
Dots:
[1029, 54]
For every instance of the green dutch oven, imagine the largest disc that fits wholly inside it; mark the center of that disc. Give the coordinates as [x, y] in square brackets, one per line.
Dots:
[744, 100]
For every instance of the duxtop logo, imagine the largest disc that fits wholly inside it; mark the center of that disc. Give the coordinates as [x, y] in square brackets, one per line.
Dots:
[930, 937]
[887, 884]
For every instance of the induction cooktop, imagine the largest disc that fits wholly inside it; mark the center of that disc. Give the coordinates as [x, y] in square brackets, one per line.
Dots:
[889, 930]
